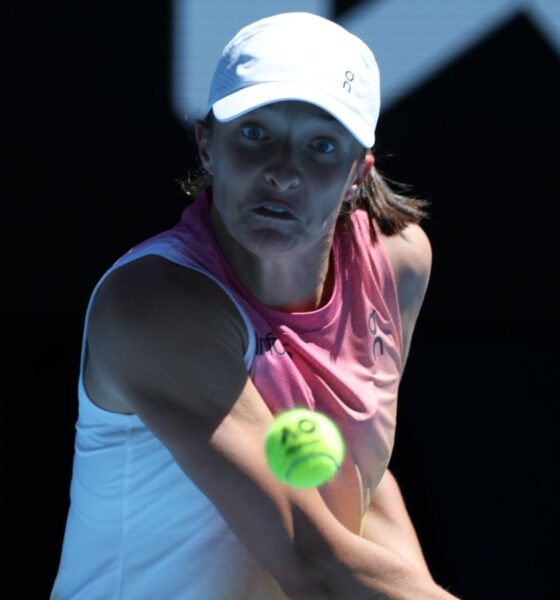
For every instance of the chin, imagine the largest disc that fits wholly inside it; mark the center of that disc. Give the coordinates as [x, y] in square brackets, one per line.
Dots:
[271, 243]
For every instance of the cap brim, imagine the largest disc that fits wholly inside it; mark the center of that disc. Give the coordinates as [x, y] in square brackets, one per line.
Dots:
[255, 96]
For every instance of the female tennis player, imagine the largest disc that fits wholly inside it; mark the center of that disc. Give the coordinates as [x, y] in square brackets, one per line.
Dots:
[295, 278]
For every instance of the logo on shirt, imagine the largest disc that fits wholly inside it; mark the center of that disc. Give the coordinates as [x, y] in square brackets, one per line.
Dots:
[378, 348]
[271, 345]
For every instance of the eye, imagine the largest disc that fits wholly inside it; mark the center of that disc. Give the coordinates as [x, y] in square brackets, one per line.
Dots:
[254, 133]
[323, 145]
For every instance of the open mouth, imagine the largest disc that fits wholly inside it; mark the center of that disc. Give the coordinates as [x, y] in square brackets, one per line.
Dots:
[274, 212]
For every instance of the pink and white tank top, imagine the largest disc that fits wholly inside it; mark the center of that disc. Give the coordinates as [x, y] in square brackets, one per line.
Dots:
[137, 526]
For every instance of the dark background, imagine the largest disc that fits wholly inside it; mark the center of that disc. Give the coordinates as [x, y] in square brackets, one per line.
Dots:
[98, 152]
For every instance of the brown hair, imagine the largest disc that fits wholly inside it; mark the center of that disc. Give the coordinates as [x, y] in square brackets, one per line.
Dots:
[392, 210]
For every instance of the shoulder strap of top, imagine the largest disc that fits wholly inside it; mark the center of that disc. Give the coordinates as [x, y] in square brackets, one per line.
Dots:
[165, 248]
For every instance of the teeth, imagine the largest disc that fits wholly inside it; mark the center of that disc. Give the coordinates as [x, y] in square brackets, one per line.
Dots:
[275, 209]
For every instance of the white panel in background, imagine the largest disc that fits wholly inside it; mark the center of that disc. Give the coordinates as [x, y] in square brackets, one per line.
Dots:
[200, 30]
[546, 16]
[411, 38]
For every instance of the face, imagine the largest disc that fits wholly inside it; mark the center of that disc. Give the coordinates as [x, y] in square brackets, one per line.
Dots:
[279, 176]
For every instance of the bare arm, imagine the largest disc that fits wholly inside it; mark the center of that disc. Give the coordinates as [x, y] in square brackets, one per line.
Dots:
[410, 253]
[388, 523]
[170, 346]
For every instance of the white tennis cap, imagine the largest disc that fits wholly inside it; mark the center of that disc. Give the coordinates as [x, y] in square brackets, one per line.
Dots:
[299, 56]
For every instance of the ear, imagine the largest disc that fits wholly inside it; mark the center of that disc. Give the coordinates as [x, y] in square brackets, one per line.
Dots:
[203, 142]
[362, 171]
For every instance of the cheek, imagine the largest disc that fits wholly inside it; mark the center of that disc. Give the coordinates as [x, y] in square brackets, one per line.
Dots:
[335, 171]
[236, 157]
[238, 170]
[333, 182]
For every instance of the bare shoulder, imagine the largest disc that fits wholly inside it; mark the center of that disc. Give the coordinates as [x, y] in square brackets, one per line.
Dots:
[172, 348]
[166, 343]
[410, 253]
[153, 324]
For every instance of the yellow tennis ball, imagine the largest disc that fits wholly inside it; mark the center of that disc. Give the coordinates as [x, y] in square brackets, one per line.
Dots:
[304, 448]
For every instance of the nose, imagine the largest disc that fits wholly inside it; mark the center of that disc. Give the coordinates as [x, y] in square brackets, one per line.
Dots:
[282, 173]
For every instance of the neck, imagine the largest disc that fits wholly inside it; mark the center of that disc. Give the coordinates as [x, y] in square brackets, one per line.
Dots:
[296, 283]
[300, 286]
